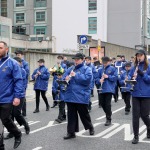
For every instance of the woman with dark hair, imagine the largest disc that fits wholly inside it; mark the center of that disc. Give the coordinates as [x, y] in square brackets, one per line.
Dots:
[141, 94]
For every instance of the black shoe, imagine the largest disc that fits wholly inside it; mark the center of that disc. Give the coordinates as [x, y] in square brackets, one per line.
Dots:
[27, 128]
[108, 123]
[36, 111]
[92, 95]
[54, 105]
[9, 136]
[100, 106]
[69, 136]
[58, 120]
[47, 108]
[135, 140]
[148, 133]
[126, 112]
[17, 141]
[91, 131]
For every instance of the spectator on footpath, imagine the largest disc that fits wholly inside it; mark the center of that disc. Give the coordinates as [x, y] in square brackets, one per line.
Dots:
[77, 96]
[141, 93]
[25, 65]
[11, 84]
[16, 112]
[41, 76]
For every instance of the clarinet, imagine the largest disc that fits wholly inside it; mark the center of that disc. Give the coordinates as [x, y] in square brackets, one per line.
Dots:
[136, 69]
[135, 76]
[100, 90]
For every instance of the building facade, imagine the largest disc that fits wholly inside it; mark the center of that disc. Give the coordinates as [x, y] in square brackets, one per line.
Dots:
[125, 23]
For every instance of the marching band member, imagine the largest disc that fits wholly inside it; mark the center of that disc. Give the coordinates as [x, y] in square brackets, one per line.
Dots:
[16, 111]
[77, 96]
[141, 94]
[59, 90]
[59, 65]
[89, 64]
[41, 76]
[126, 87]
[11, 83]
[97, 65]
[25, 65]
[119, 65]
[107, 77]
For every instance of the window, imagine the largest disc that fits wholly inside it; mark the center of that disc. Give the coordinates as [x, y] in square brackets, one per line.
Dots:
[40, 16]
[92, 5]
[4, 8]
[40, 30]
[148, 27]
[4, 31]
[40, 3]
[20, 18]
[19, 30]
[92, 25]
[19, 3]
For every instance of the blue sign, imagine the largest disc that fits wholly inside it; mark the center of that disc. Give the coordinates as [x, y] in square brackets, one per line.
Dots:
[83, 39]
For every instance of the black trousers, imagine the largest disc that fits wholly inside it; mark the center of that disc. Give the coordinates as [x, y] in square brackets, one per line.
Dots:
[24, 108]
[54, 95]
[5, 116]
[62, 113]
[98, 86]
[105, 99]
[43, 94]
[73, 110]
[1, 136]
[126, 97]
[16, 113]
[140, 108]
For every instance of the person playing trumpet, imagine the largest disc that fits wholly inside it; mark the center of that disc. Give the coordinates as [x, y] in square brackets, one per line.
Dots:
[140, 94]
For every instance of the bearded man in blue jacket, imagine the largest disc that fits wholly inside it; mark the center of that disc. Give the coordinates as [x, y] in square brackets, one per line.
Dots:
[77, 96]
[11, 84]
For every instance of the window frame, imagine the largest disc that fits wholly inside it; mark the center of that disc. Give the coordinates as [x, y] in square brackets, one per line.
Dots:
[36, 27]
[18, 7]
[93, 10]
[36, 11]
[35, 4]
[15, 15]
[90, 31]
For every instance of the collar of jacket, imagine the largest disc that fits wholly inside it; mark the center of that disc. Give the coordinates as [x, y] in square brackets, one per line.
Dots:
[41, 66]
[78, 66]
[4, 58]
[88, 64]
[106, 67]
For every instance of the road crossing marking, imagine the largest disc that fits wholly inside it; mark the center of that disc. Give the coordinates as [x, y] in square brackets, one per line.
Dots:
[37, 148]
[50, 124]
[112, 113]
[30, 123]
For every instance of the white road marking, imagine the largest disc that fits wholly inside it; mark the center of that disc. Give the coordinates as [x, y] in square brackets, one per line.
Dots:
[37, 148]
[112, 113]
